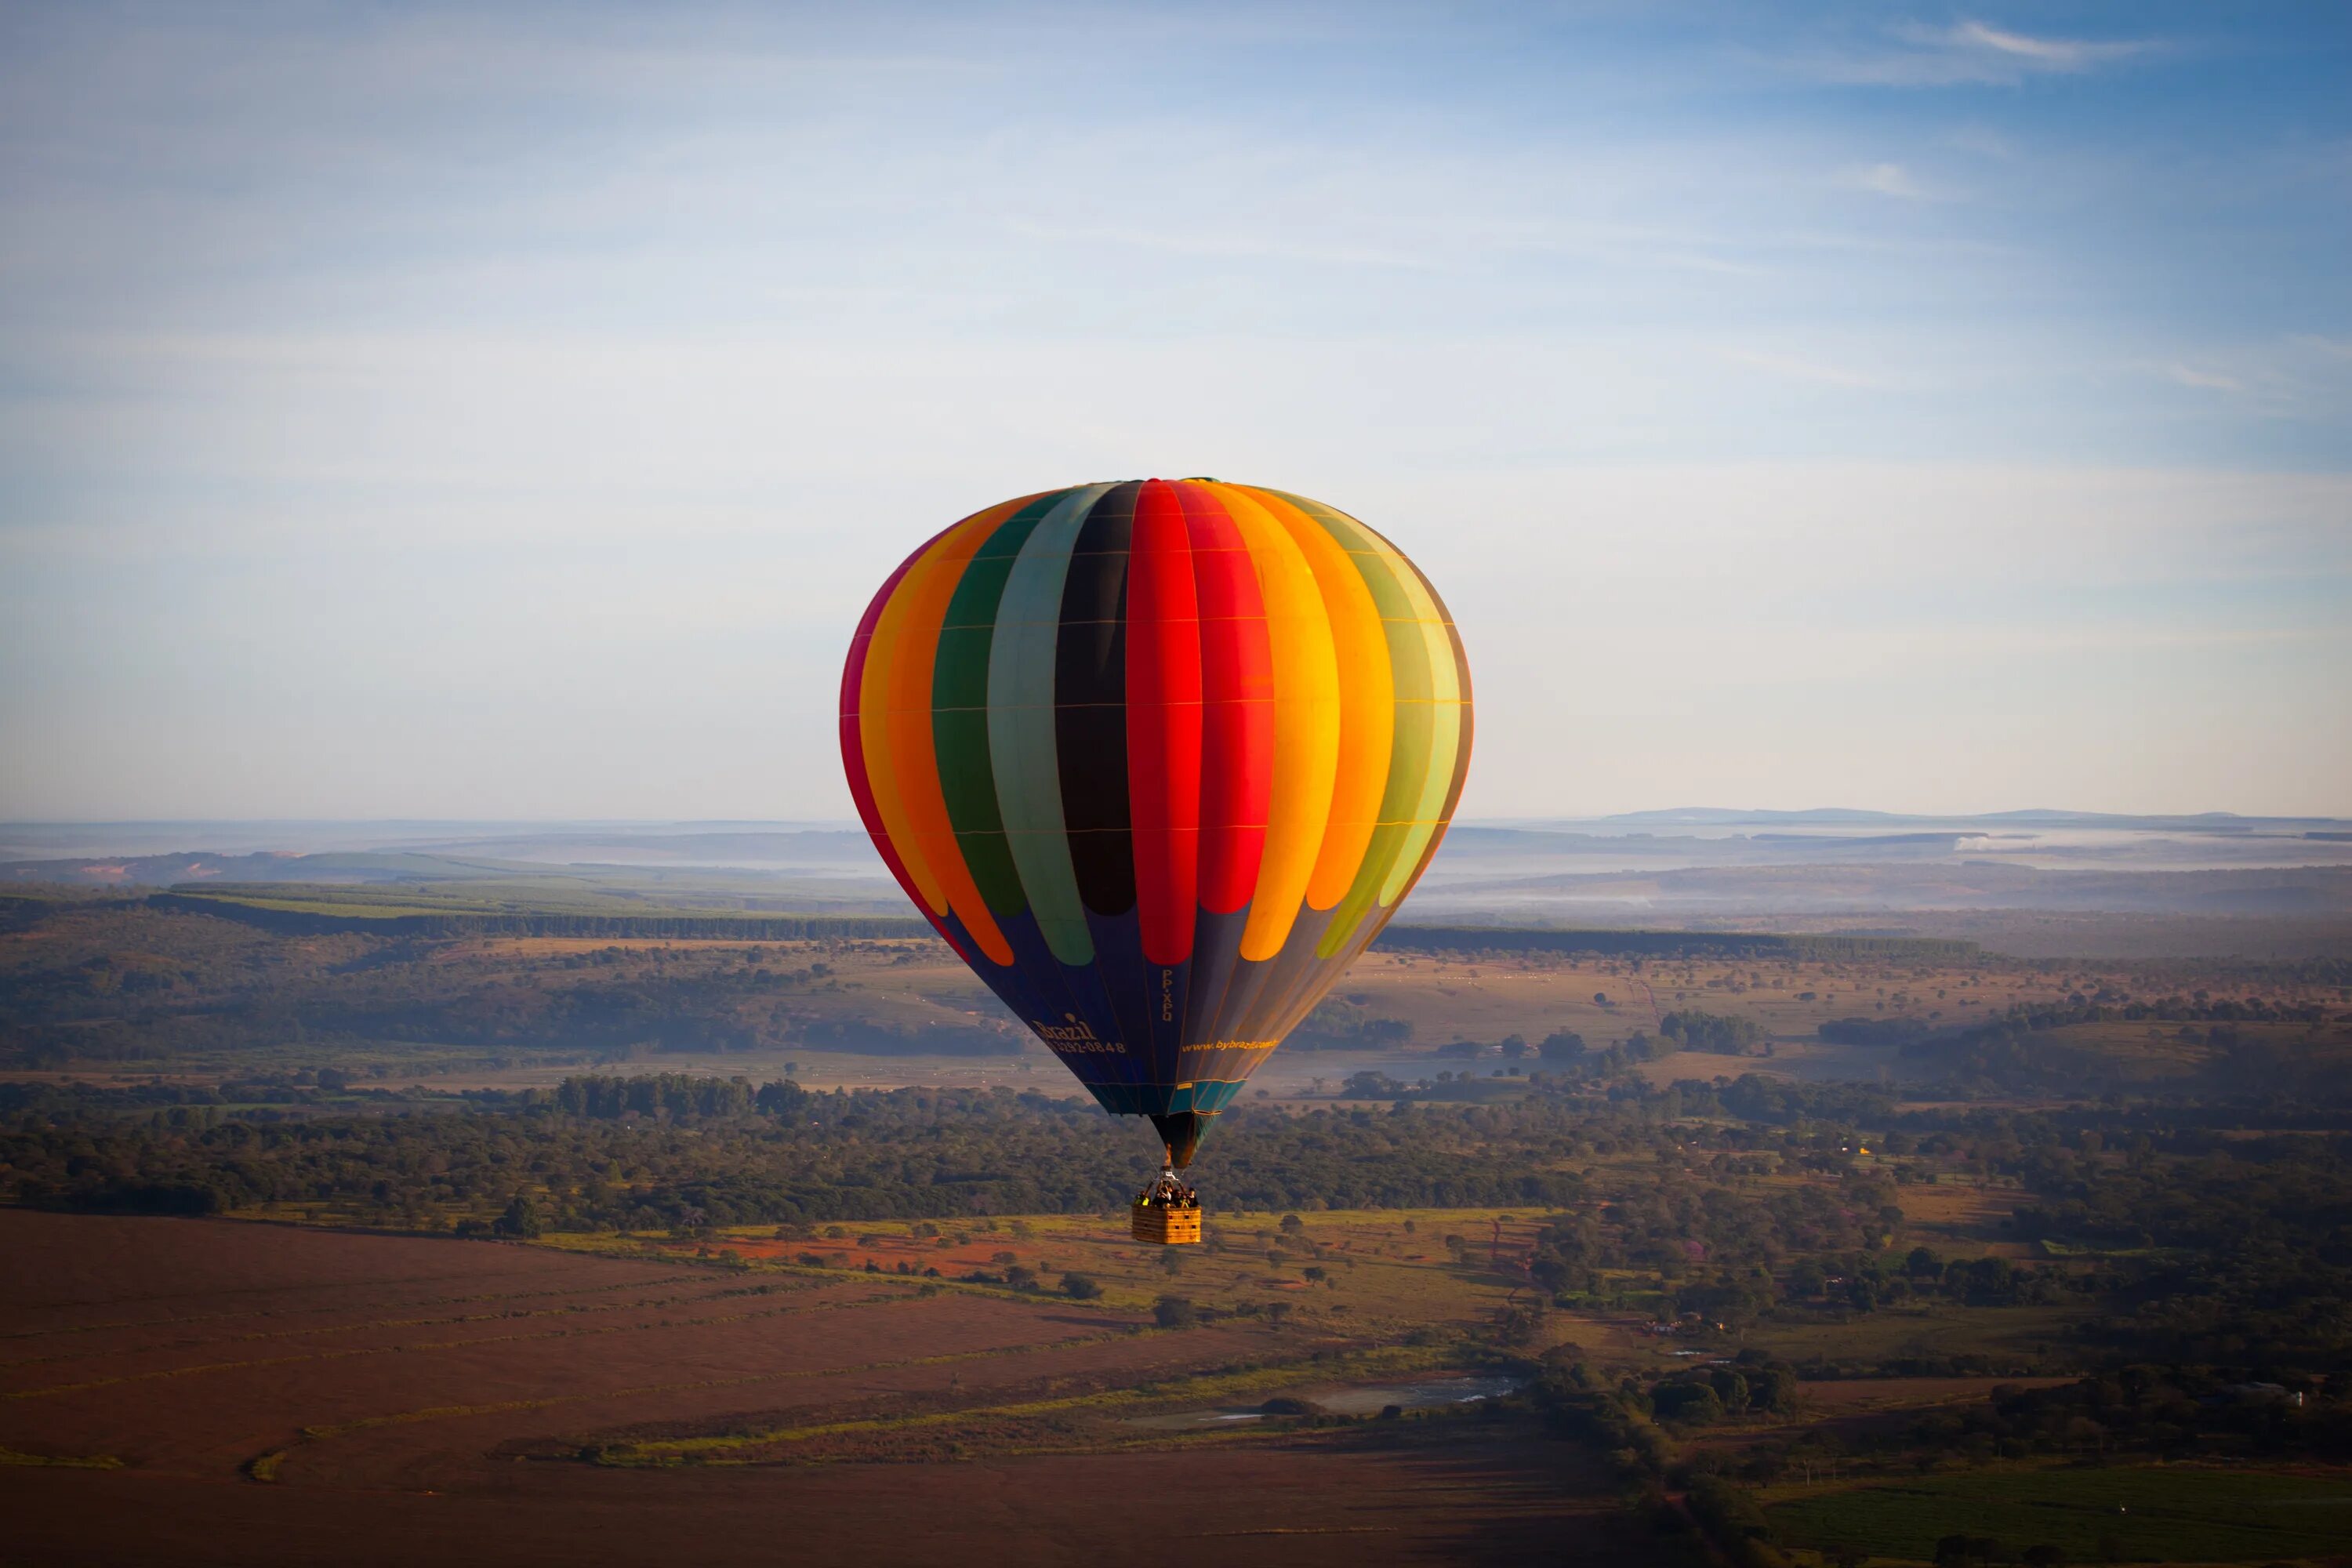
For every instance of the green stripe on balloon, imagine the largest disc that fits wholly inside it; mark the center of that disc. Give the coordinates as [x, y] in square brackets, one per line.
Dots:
[1023, 757]
[960, 710]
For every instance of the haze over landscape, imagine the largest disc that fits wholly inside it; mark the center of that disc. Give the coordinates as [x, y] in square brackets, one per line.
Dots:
[531, 1033]
[2278, 886]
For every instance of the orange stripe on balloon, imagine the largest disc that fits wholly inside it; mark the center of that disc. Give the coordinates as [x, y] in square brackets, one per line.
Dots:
[1367, 703]
[852, 737]
[885, 770]
[1306, 721]
[896, 721]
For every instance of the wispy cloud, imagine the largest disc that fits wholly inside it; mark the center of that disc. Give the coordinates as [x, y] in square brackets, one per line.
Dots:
[1886, 180]
[1972, 52]
[1800, 369]
[2299, 377]
[1230, 244]
[2212, 380]
[1983, 141]
[2037, 54]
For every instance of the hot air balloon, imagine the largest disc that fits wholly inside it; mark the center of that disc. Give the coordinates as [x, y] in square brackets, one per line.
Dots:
[1157, 759]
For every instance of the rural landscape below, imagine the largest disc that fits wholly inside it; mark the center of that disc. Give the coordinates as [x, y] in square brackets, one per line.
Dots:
[1147, 785]
[380, 1190]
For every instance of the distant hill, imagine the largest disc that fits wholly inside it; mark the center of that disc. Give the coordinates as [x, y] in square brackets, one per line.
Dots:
[202, 866]
[1865, 885]
[1828, 816]
[2035, 817]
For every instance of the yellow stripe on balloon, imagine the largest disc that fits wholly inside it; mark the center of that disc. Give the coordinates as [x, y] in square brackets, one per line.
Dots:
[895, 721]
[1305, 720]
[1367, 703]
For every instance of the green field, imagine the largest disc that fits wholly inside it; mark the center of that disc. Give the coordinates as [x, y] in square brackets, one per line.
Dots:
[2169, 1513]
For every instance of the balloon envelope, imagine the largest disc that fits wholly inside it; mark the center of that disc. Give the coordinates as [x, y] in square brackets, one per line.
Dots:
[1157, 759]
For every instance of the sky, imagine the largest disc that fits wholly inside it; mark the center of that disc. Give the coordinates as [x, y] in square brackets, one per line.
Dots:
[506, 411]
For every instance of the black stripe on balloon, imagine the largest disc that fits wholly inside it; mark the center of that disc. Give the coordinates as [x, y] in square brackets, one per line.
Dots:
[1090, 705]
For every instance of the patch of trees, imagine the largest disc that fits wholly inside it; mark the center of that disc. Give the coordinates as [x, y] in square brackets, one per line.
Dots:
[1339, 1023]
[678, 1095]
[2244, 1050]
[1784, 1102]
[1719, 1253]
[24, 904]
[1704, 1395]
[1733, 1520]
[36, 1098]
[1562, 1046]
[695, 1153]
[1724, 1035]
[1863, 1282]
[1566, 1055]
[1576, 1403]
[2178, 1412]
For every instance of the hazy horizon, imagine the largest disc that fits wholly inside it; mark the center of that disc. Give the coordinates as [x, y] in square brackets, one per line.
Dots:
[848, 822]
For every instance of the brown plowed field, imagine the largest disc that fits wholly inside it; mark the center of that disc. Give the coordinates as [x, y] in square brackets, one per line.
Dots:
[264, 1394]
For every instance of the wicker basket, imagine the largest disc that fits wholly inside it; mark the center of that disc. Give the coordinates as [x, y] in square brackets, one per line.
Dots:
[1166, 1226]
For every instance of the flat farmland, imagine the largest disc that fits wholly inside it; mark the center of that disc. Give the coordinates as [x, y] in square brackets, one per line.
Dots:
[1607, 998]
[122, 995]
[214, 1391]
[1949, 1214]
[2170, 1513]
[1384, 1268]
[1872, 1395]
[2008, 1335]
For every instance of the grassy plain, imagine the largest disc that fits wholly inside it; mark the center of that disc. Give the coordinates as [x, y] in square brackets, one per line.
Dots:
[106, 991]
[111, 991]
[2149, 1513]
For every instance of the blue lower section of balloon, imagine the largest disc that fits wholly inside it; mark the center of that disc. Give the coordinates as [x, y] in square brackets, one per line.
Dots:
[1164, 1100]
[1119, 1024]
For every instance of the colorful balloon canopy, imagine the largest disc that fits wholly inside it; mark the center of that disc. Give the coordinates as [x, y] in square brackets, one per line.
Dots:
[1157, 759]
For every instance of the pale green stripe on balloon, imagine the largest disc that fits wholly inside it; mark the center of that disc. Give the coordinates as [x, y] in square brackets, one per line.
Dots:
[1409, 752]
[1445, 748]
[1023, 751]
[1428, 719]
[1444, 698]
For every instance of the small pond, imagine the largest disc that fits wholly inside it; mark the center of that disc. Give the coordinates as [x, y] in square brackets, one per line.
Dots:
[1366, 1399]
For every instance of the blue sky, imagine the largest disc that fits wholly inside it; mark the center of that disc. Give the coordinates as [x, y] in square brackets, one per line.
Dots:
[506, 411]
